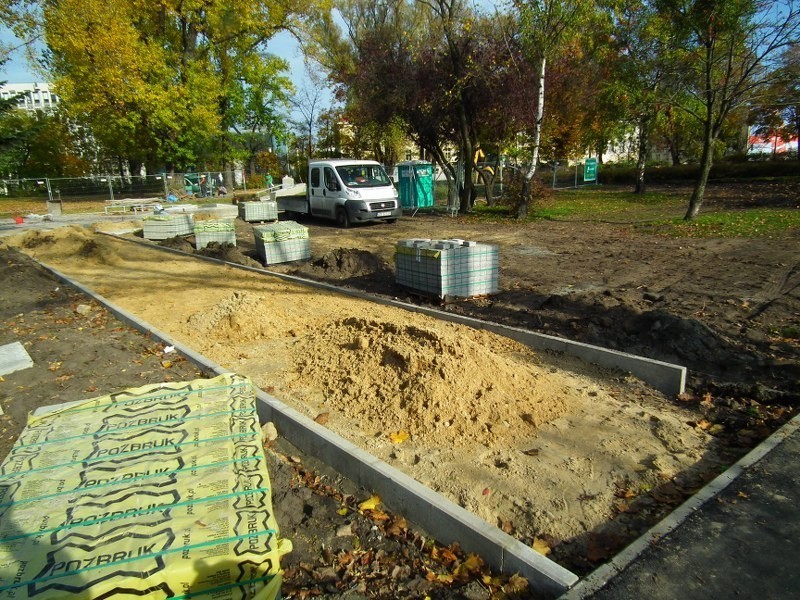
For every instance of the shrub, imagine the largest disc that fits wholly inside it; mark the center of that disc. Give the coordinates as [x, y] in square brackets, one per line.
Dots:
[735, 169]
[540, 193]
[256, 182]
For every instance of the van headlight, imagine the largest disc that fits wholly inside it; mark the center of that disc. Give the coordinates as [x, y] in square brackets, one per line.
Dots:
[355, 194]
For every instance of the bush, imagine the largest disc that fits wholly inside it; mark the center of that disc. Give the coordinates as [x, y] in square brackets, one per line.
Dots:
[540, 193]
[723, 170]
[256, 182]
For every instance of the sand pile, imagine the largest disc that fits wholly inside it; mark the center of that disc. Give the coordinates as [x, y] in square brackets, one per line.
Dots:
[430, 381]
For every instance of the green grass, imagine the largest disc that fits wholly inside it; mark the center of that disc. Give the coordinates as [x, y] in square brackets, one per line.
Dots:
[753, 223]
[659, 213]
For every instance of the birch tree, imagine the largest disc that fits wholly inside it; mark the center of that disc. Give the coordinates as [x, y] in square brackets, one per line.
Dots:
[545, 26]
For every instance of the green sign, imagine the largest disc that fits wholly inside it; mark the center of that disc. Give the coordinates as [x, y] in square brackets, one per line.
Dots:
[590, 169]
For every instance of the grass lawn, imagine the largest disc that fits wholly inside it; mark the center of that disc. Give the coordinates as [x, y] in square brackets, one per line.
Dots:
[659, 212]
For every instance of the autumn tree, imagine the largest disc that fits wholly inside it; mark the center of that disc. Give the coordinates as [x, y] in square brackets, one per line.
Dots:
[776, 114]
[545, 25]
[430, 66]
[39, 142]
[723, 54]
[640, 36]
[160, 83]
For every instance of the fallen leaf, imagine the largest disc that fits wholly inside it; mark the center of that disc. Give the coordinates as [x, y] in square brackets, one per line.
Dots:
[54, 366]
[166, 364]
[370, 503]
[743, 495]
[322, 418]
[399, 437]
[506, 525]
[707, 401]
[541, 546]
[531, 452]
[63, 378]
[398, 527]
[486, 491]
[516, 585]
[447, 556]
[703, 424]
[473, 563]
[342, 511]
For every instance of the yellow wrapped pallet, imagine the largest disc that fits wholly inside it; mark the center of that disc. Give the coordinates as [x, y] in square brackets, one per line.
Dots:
[158, 492]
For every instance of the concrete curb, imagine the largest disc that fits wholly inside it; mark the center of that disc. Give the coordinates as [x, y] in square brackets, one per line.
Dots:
[668, 378]
[445, 521]
[602, 575]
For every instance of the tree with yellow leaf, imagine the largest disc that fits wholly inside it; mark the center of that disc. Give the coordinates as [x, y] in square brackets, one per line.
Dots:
[158, 83]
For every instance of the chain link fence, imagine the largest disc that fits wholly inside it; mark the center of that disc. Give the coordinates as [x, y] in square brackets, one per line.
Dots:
[97, 193]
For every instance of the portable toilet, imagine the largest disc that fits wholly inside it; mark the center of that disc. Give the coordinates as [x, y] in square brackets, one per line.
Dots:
[415, 184]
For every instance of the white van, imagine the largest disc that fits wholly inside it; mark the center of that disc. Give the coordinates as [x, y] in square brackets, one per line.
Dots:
[351, 191]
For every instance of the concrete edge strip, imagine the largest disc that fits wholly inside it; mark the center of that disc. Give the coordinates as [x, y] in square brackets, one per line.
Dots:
[441, 518]
[598, 578]
[668, 378]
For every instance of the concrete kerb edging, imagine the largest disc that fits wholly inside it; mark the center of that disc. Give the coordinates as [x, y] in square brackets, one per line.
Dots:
[667, 378]
[445, 521]
[598, 578]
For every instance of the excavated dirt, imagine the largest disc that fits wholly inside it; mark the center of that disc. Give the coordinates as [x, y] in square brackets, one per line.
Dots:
[550, 450]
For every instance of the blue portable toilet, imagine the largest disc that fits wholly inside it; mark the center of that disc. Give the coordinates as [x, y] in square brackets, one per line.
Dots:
[415, 184]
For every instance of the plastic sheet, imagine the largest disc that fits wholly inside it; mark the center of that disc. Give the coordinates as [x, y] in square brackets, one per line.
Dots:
[157, 492]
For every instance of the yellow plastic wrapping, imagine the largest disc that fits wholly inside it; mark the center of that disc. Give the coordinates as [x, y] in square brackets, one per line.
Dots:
[156, 492]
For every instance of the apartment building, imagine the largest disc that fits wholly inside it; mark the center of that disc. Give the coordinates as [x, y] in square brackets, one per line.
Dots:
[35, 96]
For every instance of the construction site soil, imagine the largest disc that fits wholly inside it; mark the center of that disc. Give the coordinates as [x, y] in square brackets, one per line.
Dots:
[570, 459]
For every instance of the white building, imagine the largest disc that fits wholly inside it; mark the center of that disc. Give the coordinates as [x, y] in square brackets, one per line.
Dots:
[35, 96]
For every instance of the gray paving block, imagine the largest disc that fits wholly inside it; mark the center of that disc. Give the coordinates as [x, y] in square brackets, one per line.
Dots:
[14, 357]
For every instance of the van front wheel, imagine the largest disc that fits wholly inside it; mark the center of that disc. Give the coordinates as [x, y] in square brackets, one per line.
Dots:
[342, 220]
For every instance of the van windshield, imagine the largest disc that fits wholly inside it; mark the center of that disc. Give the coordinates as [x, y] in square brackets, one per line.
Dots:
[362, 176]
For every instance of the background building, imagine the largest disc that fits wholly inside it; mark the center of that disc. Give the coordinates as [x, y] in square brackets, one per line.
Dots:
[35, 96]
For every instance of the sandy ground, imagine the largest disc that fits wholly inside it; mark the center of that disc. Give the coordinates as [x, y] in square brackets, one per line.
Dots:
[545, 448]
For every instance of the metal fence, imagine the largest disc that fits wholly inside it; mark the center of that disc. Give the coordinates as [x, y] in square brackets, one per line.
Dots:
[110, 188]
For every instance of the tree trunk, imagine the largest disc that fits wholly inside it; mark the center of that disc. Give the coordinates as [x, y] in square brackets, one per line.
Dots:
[644, 147]
[706, 160]
[466, 195]
[672, 142]
[537, 138]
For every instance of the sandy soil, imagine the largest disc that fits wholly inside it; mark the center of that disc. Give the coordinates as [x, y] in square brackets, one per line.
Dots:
[547, 449]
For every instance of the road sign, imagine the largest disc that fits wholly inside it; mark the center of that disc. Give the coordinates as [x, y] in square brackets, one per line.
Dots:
[590, 169]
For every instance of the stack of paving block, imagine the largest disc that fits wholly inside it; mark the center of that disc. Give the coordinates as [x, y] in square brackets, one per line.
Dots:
[447, 268]
[258, 211]
[222, 231]
[164, 226]
[160, 491]
[282, 241]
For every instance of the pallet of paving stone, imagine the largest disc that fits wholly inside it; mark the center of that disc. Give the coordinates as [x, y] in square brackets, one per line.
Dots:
[283, 241]
[258, 211]
[447, 268]
[160, 491]
[165, 226]
[208, 231]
